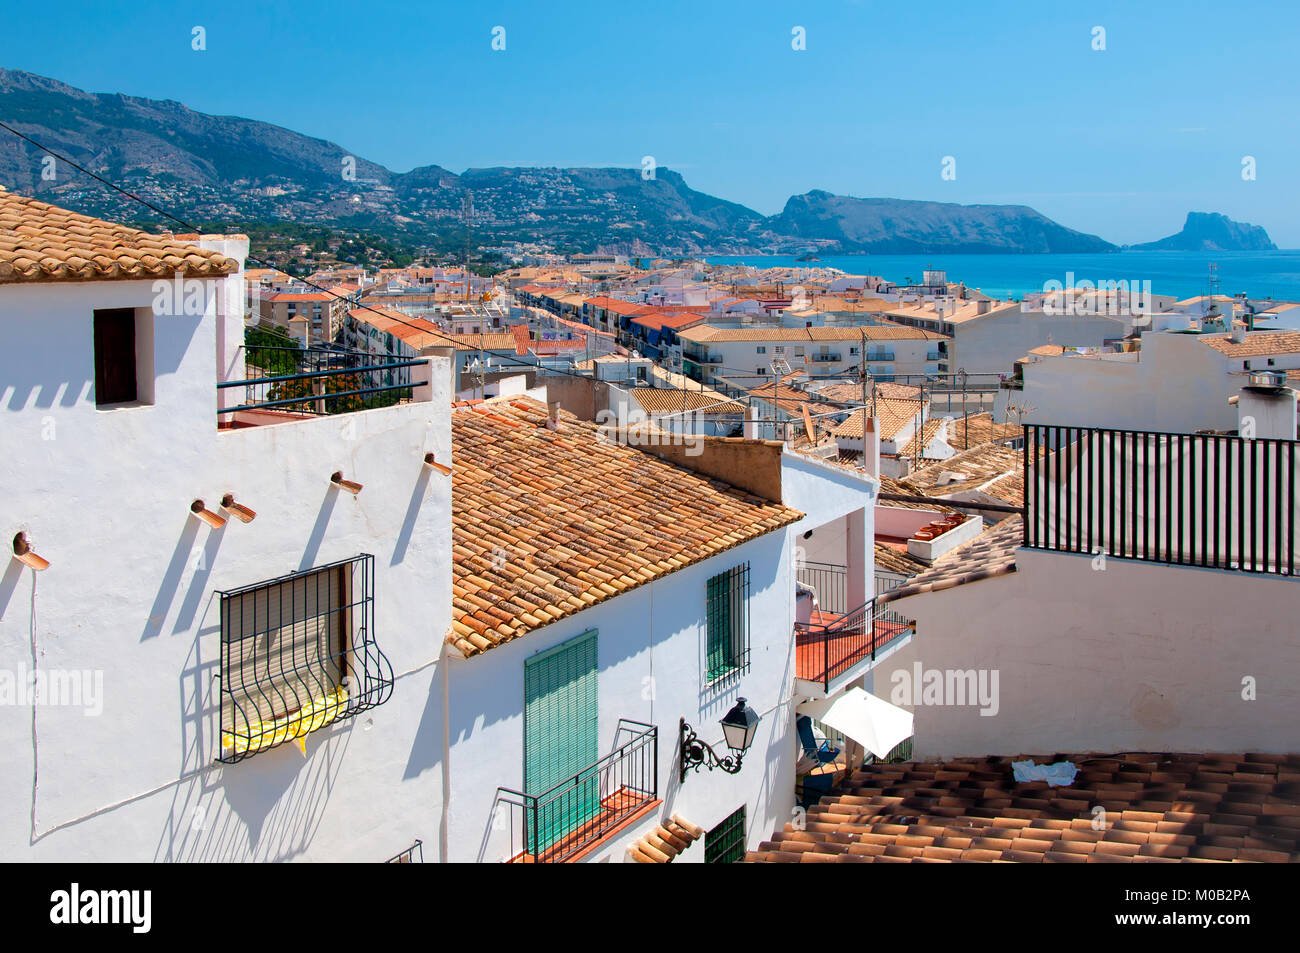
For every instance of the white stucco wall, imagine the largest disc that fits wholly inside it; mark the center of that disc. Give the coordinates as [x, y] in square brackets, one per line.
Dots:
[992, 343]
[1135, 657]
[130, 593]
[651, 655]
[1176, 384]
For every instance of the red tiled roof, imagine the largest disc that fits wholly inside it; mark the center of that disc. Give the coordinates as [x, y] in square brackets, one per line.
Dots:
[42, 242]
[548, 522]
[1158, 808]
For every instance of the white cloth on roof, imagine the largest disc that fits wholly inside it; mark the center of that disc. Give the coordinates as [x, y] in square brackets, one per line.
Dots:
[1056, 775]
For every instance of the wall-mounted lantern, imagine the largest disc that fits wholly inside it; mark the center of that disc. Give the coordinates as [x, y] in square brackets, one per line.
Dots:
[738, 729]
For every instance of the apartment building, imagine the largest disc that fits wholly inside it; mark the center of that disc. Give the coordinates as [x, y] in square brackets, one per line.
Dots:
[987, 337]
[889, 351]
[313, 317]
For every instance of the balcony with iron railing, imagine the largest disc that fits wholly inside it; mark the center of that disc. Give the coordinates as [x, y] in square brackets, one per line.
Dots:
[827, 358]
[285, 383]
[1208, 500]
[838, 643]
[569, 820]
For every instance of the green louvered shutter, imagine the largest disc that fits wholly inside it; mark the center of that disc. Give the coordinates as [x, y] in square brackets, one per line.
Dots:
[561, 718]
[719, 627]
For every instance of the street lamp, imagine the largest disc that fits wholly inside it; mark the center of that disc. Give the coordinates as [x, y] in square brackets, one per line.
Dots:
[738, 729]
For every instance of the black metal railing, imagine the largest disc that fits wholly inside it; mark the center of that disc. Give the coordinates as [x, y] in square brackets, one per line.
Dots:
[1211, 500]
[825, 358]
[412, 855]
[824, 651]
[829, 582]
[318, 381]
[553, 826]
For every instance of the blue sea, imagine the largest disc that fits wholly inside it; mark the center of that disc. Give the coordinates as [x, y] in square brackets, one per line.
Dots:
[1273, 274]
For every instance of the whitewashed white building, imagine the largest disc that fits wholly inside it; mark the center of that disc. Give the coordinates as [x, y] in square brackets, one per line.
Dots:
[189, 600]
[577, 653]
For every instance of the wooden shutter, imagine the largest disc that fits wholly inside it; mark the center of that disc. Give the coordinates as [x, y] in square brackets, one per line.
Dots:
[561, 721]
[115, 370]
[286, 645]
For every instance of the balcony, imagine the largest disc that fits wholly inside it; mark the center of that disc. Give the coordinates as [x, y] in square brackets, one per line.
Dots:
[934, 356]
[284, 383]
[565, 823]
[835, 644]
[886, 356]
[832, 649]
[825, 358]
[1209, 500]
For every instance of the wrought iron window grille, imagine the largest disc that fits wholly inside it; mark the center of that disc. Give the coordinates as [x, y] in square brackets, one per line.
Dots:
[298, 653]
[727, 625]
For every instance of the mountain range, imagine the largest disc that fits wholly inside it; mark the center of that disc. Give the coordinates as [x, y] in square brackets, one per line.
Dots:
[224, 169]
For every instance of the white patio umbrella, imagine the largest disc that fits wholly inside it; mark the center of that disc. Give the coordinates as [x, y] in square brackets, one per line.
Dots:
[870, 721]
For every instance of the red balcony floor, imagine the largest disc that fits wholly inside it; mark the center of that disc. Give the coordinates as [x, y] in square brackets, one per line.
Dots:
[816, 652]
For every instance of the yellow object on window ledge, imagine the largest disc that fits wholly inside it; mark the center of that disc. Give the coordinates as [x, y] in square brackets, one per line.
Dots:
[261, 735]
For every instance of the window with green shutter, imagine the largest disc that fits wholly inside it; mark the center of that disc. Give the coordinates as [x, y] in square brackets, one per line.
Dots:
[725, 844]
[561, 719]
[727, 623]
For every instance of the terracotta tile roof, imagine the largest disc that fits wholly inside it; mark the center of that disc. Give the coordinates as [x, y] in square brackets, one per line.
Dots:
[667, 400]
[792, 400]
[492, 341]
[548, 522]
[992, 553]
[892, 415]
[1159, 807]
[891, 485]
[1257, 343]
[892, 559]
[916, 446]
[982, 428]
[40, 242]
[875, 332]
[416, 332]
[976, 469]
[666, 841]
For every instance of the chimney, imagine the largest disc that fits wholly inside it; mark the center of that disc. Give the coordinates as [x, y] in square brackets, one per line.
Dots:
[1266, 408]
[751, 423]
[1238, 331]
[553, 415]
[870, 446]
[982, 307]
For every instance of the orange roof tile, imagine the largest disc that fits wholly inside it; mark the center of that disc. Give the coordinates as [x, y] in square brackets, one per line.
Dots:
[40, 242]
[1159, 807]
[548, 522]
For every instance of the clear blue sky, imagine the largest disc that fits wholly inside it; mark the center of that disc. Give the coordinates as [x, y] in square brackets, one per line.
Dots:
[1121, 142]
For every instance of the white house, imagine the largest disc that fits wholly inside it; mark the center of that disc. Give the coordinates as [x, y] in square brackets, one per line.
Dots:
[1177, 381]
[215, 642]
[1149, 606]
[604, 595]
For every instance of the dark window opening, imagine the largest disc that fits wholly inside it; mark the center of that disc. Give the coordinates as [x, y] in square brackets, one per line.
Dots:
[115, 363]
